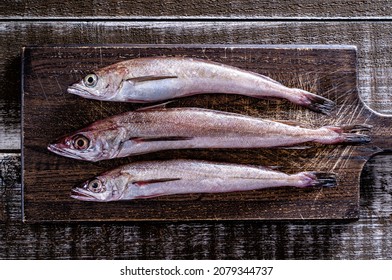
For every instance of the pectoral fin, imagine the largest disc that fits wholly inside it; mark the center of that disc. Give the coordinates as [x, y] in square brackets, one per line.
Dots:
[155, 139]
[149, 78]
[154, 181]
[154, 107]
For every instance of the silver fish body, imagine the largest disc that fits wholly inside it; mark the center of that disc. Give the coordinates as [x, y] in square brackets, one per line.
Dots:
[151, 130]
[151, 179]
[153, 79]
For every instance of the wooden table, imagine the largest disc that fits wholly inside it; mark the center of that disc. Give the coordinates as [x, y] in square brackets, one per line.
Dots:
[366, 24]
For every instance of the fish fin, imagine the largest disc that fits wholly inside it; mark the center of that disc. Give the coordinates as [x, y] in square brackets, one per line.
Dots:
[269, 79]
[143, 183]
[288, 122]
[270, 167]
[294, 147]
[153, 107]
[315, 102]
[351, 128]
[149, 78]
[148, 196]
[274, 167]
[348, 135]
[321, 179]
[354, 138]
[155, 139]
[357, 127]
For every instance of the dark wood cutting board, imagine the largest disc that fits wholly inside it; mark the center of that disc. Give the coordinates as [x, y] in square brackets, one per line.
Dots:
[330, 71]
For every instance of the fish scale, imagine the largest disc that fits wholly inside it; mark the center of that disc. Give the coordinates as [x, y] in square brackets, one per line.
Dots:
[156, 129]
[153, 79]
[143, 180]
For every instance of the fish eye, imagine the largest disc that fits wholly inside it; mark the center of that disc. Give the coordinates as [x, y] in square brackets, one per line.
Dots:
[80, 142]
[90, 80]
[95, 185]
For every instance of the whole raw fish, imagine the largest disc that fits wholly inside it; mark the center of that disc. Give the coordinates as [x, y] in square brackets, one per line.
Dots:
[153, 79]
[152, 179]
[155, 129]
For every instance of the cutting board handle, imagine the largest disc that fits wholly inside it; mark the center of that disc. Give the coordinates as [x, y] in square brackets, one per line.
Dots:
[381, 132]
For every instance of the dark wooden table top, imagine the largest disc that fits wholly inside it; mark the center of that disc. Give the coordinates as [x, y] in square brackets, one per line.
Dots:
[366, 24]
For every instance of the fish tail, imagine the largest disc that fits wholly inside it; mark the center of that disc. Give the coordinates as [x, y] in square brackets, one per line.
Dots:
[353, 138]
[315, 102]
[346, 134]
[318, 179]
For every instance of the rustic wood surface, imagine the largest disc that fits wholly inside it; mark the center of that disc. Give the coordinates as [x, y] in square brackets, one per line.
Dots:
[48, 71]
[210, 9]
[368, 238]
[372, 40]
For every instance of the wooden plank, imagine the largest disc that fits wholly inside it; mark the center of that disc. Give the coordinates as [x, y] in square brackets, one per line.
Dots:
[163, 9]
[10, 103]
[2, 195]
[9, 94]
[368, 238]
[10, 187]
[372, 40]
[48, 71]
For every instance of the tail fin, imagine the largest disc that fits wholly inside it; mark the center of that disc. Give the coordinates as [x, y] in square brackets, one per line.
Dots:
[348, 133]
[317, 103]
[320, 179]
[356, 138]
[355, 128]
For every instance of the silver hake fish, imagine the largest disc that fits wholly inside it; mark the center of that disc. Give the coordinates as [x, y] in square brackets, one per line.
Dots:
[154, 129]
[151, 179]
[144, 80]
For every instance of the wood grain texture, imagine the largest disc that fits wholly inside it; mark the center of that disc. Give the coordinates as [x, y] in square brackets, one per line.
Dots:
[48, 71]
[372, 40]
[163, 9]
[368, 238]
[10, 186]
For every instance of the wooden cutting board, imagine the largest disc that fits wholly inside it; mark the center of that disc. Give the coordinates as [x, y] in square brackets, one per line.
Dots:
[330, 71]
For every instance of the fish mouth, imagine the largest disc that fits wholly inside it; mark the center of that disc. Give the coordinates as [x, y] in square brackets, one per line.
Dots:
[79, 90]
[82, 194]
[62, 152]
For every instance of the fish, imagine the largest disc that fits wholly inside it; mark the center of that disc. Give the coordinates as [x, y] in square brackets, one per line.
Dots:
[155, 129]
[154, 79]
[142, 180]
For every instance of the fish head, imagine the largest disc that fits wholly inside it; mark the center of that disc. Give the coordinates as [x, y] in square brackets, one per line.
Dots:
[100, 85]
[103, 188]
[90, 144]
